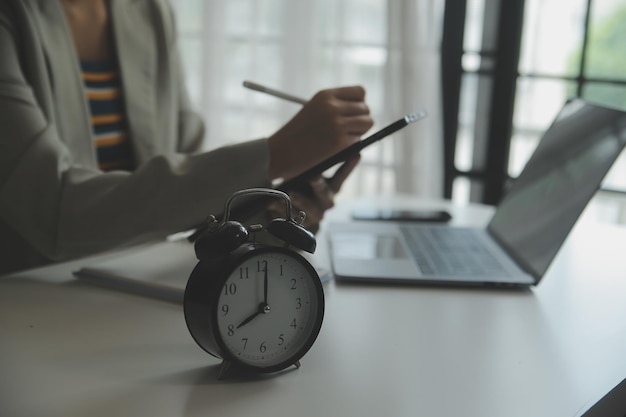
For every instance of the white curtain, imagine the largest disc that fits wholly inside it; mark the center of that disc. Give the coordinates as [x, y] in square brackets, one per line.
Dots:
[413, 80]
[391, 47]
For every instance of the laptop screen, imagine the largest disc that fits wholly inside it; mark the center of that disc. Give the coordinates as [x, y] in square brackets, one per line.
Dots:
[562, 175]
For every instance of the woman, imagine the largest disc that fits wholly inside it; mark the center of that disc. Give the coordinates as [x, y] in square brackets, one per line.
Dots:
[75, 182]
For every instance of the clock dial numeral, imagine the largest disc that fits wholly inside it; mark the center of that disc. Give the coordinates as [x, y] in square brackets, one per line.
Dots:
[243, 273]
[298, 303]
[293, 284]
[261, 266]
[230, 289]
[244, 340]
[225, 309]
[294, 324]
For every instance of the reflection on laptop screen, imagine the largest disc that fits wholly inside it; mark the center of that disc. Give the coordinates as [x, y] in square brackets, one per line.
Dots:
[564, 172]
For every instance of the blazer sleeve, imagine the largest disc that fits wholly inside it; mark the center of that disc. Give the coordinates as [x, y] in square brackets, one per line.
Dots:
[65, 210]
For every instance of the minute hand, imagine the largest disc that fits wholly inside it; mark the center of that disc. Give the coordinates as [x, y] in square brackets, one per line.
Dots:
[265, 286]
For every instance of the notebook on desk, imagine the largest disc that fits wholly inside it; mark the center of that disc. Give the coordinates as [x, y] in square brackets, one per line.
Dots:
[525, 233]
[158, 270]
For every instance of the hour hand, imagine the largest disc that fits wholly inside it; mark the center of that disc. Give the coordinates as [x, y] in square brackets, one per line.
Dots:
[263, 309]
[249, 319]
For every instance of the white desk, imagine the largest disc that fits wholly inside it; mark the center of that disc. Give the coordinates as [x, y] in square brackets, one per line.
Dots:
[69, 349]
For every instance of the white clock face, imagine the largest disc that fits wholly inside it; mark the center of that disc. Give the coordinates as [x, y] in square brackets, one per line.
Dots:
[268, 309]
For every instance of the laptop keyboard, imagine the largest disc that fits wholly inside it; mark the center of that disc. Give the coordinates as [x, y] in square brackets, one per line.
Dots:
[448, 251]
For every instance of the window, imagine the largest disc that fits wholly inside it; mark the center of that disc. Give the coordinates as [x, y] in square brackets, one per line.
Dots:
[513, 65]
[303, 46]
[299, 47]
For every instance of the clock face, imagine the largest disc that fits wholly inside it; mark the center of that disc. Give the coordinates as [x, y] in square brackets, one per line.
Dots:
[270, 309]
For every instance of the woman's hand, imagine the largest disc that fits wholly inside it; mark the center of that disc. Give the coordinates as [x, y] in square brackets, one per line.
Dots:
[332, 120]
[323, 198]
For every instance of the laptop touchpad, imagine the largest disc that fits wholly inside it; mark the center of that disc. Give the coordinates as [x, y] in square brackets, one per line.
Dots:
[368, 246]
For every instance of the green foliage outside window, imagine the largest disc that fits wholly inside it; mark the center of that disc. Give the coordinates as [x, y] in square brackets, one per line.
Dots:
[606, 58]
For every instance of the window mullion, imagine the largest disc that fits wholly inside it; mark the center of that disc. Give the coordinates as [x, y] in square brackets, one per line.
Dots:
[583, 55]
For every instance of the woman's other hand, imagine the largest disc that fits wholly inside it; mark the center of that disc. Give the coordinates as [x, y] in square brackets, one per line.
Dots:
[322, 198]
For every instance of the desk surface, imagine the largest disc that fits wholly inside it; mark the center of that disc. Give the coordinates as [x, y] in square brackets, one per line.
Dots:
[70, 349]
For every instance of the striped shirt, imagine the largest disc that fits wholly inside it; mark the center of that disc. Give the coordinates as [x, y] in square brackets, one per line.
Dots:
[103, 88]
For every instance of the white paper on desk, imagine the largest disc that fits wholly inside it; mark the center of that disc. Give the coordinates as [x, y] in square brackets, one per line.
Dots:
[158, 271]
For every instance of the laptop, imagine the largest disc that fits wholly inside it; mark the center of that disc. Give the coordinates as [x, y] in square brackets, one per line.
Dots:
[526, 231]
[612, 404]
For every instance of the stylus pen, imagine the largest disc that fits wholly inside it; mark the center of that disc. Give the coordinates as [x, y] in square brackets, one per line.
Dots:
[272, 92]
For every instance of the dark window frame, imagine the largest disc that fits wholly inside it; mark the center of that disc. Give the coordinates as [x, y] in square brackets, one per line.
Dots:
[506, 17]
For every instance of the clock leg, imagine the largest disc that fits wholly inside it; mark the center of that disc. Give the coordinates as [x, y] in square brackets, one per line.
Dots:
[297, 364]
[224, 368]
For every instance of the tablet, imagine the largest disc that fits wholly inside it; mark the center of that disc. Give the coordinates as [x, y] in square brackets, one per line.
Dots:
[301, 184]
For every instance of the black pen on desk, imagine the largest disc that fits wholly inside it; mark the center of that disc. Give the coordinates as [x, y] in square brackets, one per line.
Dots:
[273, 92]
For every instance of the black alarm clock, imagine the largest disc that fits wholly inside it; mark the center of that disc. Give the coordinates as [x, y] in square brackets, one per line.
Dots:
[256, 306]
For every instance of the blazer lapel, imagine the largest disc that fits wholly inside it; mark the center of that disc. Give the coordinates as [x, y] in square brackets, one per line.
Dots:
[71, 111]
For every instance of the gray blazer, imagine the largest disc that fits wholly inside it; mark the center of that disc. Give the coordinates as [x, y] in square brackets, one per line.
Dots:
[54, 202]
